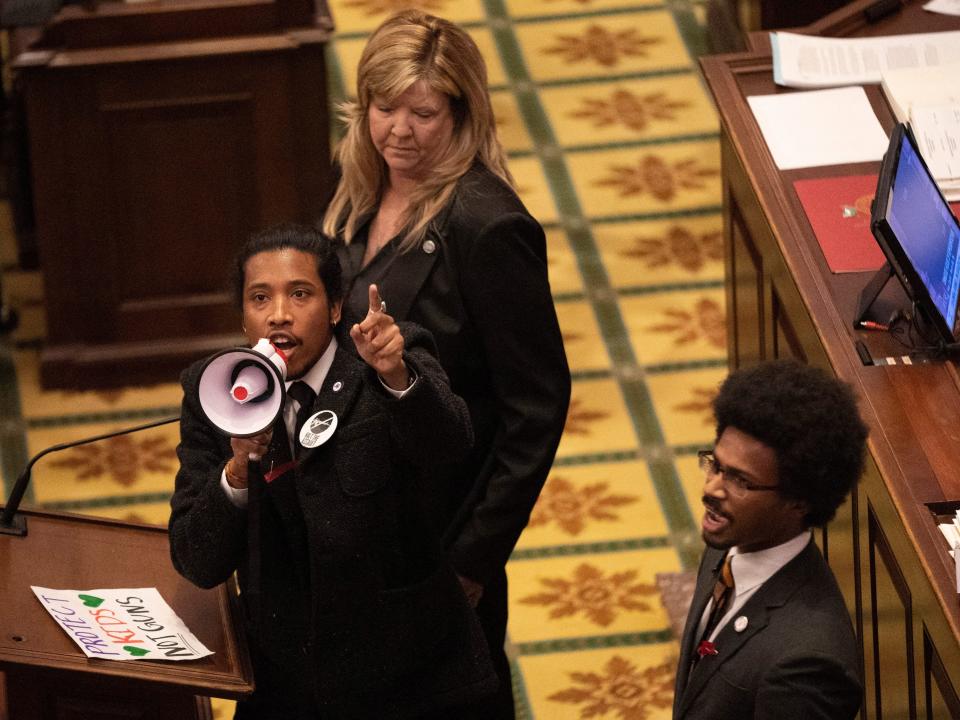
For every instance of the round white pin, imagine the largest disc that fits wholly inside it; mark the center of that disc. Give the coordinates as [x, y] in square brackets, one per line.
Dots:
[429, 246]
[740, 624]
[318, 428]
[337, 386]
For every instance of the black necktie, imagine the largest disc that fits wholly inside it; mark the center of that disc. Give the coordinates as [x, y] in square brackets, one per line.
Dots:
[303, 394]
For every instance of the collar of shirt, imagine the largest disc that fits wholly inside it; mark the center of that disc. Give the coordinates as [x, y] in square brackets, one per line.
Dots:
[750, 570]
[315, 376]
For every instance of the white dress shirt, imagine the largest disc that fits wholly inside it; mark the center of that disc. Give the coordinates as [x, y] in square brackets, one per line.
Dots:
[314, 377]
[750, 572]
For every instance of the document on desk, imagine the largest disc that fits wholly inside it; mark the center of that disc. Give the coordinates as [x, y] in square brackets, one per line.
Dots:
[945, 7]
[805, 61]
[937, 129]
[819, 127]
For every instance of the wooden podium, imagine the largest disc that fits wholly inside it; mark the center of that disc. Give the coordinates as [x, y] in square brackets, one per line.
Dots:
[161, 134]
[47, 674]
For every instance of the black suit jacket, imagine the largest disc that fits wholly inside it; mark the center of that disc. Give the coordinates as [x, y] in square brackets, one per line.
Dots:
[355, 596]
[794, 657]
[479, 283]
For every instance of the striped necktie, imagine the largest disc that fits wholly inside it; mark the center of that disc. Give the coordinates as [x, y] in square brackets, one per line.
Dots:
[722, 592]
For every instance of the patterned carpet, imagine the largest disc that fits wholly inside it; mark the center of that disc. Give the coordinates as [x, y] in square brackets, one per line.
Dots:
[613, 141]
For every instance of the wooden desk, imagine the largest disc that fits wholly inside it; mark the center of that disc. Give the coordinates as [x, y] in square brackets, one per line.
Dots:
[729, 21]
[768, 14]
[48, 676]
[782, 301]
[161, 134]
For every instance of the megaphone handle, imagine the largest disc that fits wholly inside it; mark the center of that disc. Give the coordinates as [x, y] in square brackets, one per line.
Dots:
[255, 485]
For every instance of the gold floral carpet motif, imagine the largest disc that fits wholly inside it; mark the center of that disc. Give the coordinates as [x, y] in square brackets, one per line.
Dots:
[614, 144]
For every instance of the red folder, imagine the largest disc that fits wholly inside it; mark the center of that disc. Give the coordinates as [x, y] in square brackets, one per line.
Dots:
[838, 209]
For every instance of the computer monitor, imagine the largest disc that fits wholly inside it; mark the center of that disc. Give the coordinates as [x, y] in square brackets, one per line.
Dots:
[919, 234]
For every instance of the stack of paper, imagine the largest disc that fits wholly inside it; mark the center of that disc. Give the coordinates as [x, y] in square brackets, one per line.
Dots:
[805, 61]
[947, 7]
[950, 532]
[929, 99]
[937, 129]
[906, 87]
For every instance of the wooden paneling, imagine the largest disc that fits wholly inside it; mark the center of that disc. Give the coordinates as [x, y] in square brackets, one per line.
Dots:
[767, 15]
[841, 547]
[786, 343]
[109, 24]
[745, 294]
[61, 696]
[939, 694]
[729, 20]
[151, 164]
[891, 609]
[170, 164]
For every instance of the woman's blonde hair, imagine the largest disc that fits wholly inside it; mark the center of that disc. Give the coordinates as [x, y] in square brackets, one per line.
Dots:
[409, 47]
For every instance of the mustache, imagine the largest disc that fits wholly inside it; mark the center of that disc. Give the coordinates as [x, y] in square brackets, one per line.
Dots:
[713, 505]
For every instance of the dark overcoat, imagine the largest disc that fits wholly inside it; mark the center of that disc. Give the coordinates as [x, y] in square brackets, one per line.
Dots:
[478, 282]
[354, 592]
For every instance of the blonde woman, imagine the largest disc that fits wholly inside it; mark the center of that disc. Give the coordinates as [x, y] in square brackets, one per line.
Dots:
[425, 209]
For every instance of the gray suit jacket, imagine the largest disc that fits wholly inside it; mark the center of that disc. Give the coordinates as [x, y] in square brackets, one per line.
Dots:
[795, 657]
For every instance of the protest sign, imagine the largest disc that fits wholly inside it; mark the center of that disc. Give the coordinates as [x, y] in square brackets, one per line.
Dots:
[122, 624]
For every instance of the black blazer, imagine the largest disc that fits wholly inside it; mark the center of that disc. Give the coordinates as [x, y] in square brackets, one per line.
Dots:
[355, 593]
[479, 283]
[794, 657]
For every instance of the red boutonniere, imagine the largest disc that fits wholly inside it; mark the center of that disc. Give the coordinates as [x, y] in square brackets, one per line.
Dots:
[706, 648]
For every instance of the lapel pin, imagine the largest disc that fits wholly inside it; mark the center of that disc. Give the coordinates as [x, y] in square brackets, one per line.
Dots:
[318, 428]
[706, 648]
[429, 247]
[337, 386]
[740, 624]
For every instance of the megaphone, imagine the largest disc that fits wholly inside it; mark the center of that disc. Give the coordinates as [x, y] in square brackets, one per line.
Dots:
[241, 390]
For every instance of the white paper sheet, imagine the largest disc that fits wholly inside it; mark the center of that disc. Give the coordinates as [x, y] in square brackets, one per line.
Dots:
[956, 564]
[819, 127]
[805, 61]
[121, 623]
[946, 7]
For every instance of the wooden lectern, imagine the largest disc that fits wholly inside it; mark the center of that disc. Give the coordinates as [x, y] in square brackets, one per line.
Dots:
[47, 674]
[161, 134]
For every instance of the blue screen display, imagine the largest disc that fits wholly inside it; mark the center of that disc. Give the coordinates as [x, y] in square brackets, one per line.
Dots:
[926, 230]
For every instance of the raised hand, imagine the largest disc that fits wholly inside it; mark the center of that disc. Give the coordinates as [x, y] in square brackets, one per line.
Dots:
[380, 344]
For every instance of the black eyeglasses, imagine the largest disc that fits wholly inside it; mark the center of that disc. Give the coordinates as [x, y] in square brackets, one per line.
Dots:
[735, 483]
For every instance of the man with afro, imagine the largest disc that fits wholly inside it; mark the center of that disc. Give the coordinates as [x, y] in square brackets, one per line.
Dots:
[768, 634]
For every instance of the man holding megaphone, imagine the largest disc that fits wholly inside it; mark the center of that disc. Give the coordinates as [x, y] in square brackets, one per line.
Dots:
[312, 474]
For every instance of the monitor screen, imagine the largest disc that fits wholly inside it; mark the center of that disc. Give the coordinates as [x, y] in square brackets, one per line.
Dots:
[919, 233]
